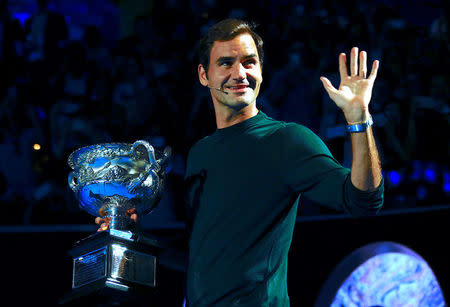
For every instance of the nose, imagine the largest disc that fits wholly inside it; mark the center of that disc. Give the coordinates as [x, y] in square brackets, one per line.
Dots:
[239, 72]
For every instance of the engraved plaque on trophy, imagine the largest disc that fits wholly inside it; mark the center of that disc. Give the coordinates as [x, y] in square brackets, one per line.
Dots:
[108, 181]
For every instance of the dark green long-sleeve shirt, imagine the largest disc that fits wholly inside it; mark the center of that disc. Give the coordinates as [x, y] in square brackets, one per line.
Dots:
[245, 182]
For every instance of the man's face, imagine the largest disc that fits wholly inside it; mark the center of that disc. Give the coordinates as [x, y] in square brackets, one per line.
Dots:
[234, 66]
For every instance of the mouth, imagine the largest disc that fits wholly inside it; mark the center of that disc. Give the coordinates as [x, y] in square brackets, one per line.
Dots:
[238, 88]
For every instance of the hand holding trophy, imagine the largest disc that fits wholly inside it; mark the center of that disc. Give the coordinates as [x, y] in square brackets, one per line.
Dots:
[115, 181]
[104, 222]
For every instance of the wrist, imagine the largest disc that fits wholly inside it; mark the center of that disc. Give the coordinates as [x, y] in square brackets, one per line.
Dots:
[357, 116]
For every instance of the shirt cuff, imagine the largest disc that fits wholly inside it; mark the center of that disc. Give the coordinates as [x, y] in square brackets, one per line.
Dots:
[363, 203]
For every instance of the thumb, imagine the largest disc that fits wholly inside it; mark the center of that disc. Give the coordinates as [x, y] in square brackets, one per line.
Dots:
[328, 86]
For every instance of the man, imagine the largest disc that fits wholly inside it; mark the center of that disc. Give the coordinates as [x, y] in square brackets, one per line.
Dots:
[245, 179]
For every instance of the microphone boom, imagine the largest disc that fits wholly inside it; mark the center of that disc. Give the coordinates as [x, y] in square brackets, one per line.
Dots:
[218, 89]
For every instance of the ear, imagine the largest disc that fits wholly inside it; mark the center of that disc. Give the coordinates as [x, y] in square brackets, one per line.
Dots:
[202, 75]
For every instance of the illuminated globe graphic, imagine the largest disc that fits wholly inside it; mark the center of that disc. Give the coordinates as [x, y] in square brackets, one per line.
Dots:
[382, 274]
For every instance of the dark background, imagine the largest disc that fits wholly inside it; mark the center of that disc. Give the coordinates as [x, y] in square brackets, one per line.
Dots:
[37, 269]
[76, 73]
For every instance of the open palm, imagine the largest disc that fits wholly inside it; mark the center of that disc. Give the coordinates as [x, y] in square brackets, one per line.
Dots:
[354, 92]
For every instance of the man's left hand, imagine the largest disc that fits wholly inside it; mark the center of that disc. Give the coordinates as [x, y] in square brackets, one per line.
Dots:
[355, 91]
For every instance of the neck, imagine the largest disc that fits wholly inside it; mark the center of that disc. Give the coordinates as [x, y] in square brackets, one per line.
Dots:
[228, 117]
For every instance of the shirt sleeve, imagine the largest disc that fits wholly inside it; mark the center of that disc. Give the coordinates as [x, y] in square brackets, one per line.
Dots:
[193, 187]
[307, 167]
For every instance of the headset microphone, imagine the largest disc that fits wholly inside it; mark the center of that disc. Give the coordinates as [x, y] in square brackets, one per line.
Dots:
[220, 89]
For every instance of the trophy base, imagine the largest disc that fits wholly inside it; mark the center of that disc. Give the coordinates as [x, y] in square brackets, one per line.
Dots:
[112, 261]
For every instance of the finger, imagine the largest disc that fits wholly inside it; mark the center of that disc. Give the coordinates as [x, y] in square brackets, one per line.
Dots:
[373, 73]
[343, 66]
[104, 226]
[363, 64]
[102, 211]
[134, 217]
[328, 86]
[99, 220]
[354, 61]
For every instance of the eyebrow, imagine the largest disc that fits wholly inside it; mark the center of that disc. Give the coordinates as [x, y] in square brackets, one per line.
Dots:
[224, 59]
[229, 58]
[250, 56]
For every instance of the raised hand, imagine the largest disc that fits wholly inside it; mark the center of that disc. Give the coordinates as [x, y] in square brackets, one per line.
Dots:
[355, 91]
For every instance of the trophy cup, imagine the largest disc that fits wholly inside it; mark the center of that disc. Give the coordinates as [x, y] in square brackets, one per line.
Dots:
[108, 181]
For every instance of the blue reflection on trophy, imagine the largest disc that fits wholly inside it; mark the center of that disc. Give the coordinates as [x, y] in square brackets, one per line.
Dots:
[109, 180]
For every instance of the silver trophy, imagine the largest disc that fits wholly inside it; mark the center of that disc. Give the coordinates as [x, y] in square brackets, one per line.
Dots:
[109, 180]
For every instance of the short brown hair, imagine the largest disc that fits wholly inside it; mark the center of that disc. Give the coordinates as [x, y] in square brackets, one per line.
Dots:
[226, 30]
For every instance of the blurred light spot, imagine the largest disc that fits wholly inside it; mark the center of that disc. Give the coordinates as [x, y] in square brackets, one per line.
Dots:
[422, 192]
[417, 170]
[446, 181]
[447, 177]
[430, 175]
[447, 187]
[41, 113]
[21, 17]
[394, 177]
[36, 147]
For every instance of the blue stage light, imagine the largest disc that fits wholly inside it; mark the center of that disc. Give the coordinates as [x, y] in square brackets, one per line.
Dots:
[430, 175]
[447, 187]
[446, 181]
[394, 177]
[21, 17]
[446, 176]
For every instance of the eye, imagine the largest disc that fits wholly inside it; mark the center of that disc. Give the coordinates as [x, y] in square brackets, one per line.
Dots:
[226, 63]
[249, 63]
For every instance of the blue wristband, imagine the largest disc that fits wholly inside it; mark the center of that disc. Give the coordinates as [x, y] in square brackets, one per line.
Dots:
[362, 127]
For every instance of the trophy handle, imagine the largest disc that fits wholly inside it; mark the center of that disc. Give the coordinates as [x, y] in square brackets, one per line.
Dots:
[72, 183]
[150, 150]
[155, 167]
[137, 182]
[148, 172]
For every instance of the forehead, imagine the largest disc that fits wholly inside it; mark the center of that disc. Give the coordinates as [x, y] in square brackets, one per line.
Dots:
[241, 45]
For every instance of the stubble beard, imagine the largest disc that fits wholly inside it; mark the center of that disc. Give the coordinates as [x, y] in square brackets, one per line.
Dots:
[235, 105]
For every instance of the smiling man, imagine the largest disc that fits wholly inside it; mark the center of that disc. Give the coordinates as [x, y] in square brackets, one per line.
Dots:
[245, 179]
